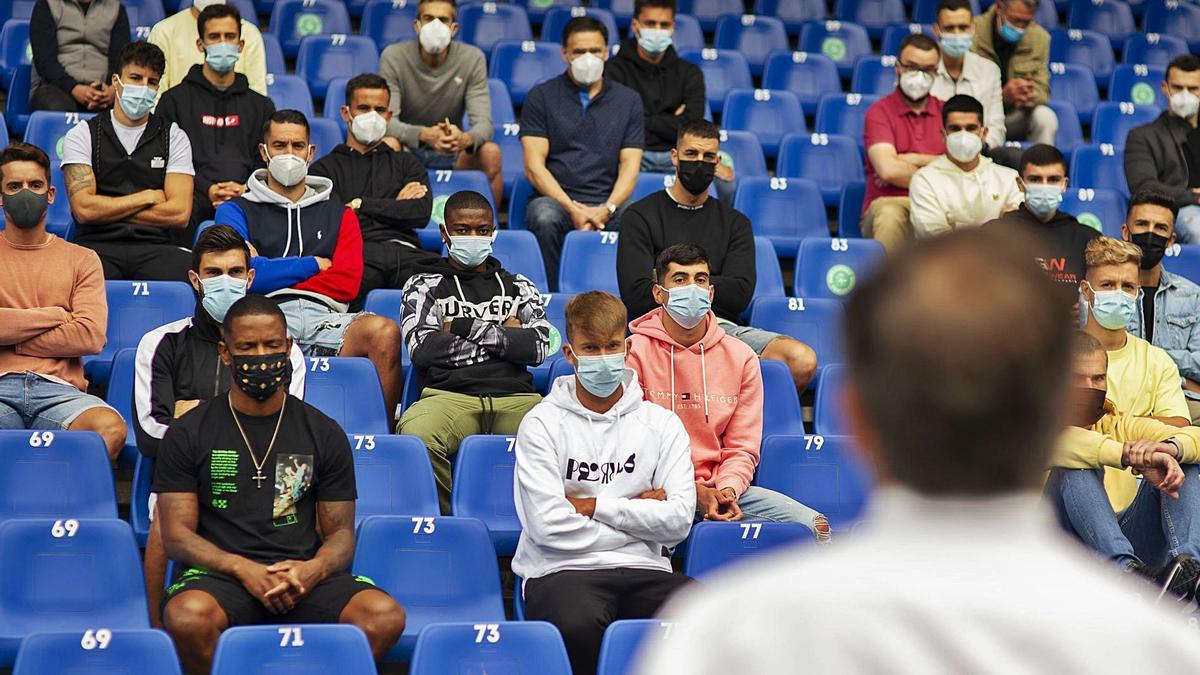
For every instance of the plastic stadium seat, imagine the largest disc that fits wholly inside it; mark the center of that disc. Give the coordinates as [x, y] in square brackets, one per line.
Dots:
[1114, 121]
[274, 54]
[508, 647]
[537, 8]
[16, 9]
[1109, 17]
[487, 23]
[874, 15]
[518, 199]
[445, 182]
[832, 268]
[290, 91]
[68, 575]
[1172, 17]
[821, 472]
[4, 138]
[808, 75]
[743, 153]
[557, 18]
[828, 417]
[1070, 132]
[843, 114]
[768, 281]
[1086, 48]
[119, 395]
[1156, 49]
[688, 33]
[555, 305]
[783, 416]
[59, 218]
[1098, 208]
[874, 75]
[512, 155]
[814, 321]
[47, 129]
[518, 252]
[483, 488]
[850, 210]
[323, 57]
[440, 569]
[769, 113]
[523, 64]
[312, 648]
[829, 160]
[134, 309]
[1075, 84]
[713, 545]
[1098, 166]
[119, 651]
[840, 41]
[1184, 259]
[561, 368]
[755, 37]
[724, 69]
[334, 98]
[139, 506]
[622, 10]
[347, 389]
[793, 13]
[293, 20]
[784, 210]
[502, 106]
[387, 301]
[710, 12]
[14, 49]
[1138, 83]
[244, 7]
[394, 476]
[143, 14]
[16, 108]
[326, 134]
[925, 11]
[894, 34]
[55, 474]
[622, 641]
[389, 21]
[589, 262]
[1046, 14]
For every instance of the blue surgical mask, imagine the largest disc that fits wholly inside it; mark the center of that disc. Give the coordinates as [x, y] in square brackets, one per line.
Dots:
[1043, 199]
[654, 40]
[220, 293]
[1112, 309]
[688, 305]
[470, 252]
[600, 375]
[137, 100]
[1009, 32]
[956, 45]
[222, 56]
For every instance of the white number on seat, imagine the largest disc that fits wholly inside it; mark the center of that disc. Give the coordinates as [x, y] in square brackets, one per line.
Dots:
[799, 57]
[853, 99]
[320, 363]
[512, 129]
[423, 525]
[1058, 68]
[811, 442]
[778, 183]
[577, 12]
[751, 530]
[762, 94]
[338, 39]
[96, 639]
[41, 439]
[839, 245]
[290, 636]
[71, 117]
[747, 19]
[608, 237]
[795, 304]
[64, 528]
[443, 175]
[487, 631]
[1126, 107]
[1141, 70]
[819, 139]
[512, 443]
[141, 287]
[708, 54]
[1107, 150]
[529, 46]
[1086, 194]
[364, 442]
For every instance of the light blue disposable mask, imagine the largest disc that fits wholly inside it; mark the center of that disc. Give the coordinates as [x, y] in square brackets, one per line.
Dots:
[470, 252]
[654, 40]
[1043, 199]
[222, 56]
[600, 375]
[1009, 32]
[220, 293]
[136, 100]
[1112, 309]
[956, 45]
[688, 305]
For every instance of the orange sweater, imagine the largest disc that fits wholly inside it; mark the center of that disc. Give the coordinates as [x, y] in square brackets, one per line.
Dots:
[52, 309]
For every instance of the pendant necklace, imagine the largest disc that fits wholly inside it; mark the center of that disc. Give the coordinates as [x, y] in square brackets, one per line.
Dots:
[258, 466]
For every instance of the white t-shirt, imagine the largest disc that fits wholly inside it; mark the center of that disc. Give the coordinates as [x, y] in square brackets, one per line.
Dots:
[77, 145]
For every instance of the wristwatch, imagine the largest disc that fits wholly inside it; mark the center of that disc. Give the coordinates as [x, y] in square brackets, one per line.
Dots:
[355, 203]
[612, 208]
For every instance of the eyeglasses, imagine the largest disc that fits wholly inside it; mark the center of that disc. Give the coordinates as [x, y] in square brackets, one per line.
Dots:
[909, 68]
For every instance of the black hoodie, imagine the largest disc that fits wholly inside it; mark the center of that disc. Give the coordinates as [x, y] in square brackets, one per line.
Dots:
[663, 86]
[377, 177]
[1061, 243]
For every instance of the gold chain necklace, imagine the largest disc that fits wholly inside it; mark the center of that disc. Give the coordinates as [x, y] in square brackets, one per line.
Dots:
[258, 474]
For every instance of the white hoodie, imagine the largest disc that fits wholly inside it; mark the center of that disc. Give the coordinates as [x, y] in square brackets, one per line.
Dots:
[565, 449]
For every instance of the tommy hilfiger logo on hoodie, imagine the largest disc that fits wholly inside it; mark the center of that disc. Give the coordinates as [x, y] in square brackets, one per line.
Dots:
[593, 472]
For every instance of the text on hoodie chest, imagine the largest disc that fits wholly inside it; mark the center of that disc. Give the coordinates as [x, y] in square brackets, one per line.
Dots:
[583, 470]
[496, 308]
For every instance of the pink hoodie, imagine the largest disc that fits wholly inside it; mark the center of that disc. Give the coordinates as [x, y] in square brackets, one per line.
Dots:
[715, 387]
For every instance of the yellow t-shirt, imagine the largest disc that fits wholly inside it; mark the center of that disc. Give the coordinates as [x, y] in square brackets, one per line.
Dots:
[1143, 381]
[176, 36]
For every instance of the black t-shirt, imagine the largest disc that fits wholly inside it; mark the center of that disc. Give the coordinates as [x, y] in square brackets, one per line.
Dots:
[1148, 312]
[1191, 153]
[204, 453]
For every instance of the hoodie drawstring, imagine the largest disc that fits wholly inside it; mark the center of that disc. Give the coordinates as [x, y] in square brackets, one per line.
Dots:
[487, 414]
[672, 378]
[463, 296]
[704, 379]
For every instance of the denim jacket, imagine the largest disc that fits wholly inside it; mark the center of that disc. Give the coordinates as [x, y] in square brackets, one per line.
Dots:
[1176, 326]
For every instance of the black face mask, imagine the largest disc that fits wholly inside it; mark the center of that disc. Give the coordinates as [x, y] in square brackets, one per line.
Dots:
[261, 376]
[1153, 246]
[26, 208]
[1087, 406]
[696, 175]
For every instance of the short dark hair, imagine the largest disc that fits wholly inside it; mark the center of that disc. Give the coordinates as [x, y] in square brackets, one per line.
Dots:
[144, 54]
[697, 128]
[251, 305]
[920, 348]
[920, 41]
[680, 254]
[962, 103]
[24, 152]
[453, 4]
[467, 200]
[1085, 344]
[365, 81]
[218, 239]
[952, 6]
[222, 11]
[1153, 196]
[1188, 63]
[660, 4]
[286, 116]
[1042, 155]
[584, 24]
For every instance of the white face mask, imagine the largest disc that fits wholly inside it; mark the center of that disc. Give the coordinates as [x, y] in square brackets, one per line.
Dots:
[587, 69]
[288, 169]
[368, 128]
[434, 37]
[916, 85]
[1184, 103]
[963, 146]
[202, 5]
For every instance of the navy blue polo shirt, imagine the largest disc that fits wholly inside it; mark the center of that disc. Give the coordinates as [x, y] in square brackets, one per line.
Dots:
[585, 142]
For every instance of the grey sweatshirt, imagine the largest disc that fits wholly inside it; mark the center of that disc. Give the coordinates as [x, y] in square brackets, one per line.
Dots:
[423, 96]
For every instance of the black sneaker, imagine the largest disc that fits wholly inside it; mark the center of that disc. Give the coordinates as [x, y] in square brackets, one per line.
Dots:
[1179, 579]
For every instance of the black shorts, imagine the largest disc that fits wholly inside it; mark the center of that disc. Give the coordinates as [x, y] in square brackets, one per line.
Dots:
[323, 604]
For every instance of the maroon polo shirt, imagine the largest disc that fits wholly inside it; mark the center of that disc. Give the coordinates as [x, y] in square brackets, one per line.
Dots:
[889, 120]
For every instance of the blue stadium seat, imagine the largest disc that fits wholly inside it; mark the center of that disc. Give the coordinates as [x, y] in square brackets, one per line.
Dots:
[290, 91]
[622, 641]
[274, 54]
[850, 210]
[755, 37]
[808, 75]
[768, 281]
[874, 75]
[523, 64]
[518, 198]
[557, 18]
[244, 7]
[487, 23]
[14, 49]
[723, 69]
[925, 11]
[439, 569]
[389, 21]
[769, 113]
[394, 476]
[1047, 14]
[59, 218]
[560, 368]
[55, 474]
[713, 545]
[512, 155]
[1138, 83]
[649, 182]
[4, 137]
[506, 647]
[324, 57]
[315, 648]
[1155, 49]
[710, 12]
[840, 41]
[502, 106]
[16, 9]
[1086, 48]
[1075, 84]
[688, 33]
[1114, 120]
[347, 389]
[743, 153]
[783, 416]
[47, 129]
[843, 114]
[334, 98]
[139, 506]
[143, 14]
[1171, 17]
[832, 268]
[293, 20]
[537, 8]
[68, 575]
[114, 651]
[326, 134]
[1098, 208]
[829, 160]
[895, 33]
[445, 182]
[483, 488]
[119, 395]
[874, 15]
[16, 107]
[134, 309]
[622, 11]
[518, 252]
[589, 262]
[793, 13]
[1108, 17]
[821, 472]
[1070, 131]
[816, 322]
[1184, 259]
[784, 210]
[1098, 166]
[554, 305]
[828, 417]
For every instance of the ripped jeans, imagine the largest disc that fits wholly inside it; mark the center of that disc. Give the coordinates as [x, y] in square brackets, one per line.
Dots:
[763, 505]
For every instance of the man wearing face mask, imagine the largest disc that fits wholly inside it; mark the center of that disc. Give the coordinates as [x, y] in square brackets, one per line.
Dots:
[433, 81]
[603, 490]
[129, 177]
[388, 189]
[220, 111]
[961, 188]
[1008, 35]
[962, 71]
[176, 37]
[76, 47]
[471, 329]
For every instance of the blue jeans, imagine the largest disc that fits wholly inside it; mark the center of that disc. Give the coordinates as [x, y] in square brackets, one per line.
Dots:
[550, 223]
[432, 159]
[31, 401]
[1187, 225]
[763, 505]
[1153, 530]
[659, 161]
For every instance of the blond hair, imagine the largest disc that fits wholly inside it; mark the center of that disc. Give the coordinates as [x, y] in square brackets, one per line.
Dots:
[1103, 251]
[597, 313]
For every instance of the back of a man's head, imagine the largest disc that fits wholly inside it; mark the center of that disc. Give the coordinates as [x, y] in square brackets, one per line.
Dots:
[958, 353]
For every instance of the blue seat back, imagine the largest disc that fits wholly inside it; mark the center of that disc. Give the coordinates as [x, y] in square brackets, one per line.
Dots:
[503, 647]
[290, 91]
[843, 114]
[14, 48]
[713, 545]
[769, 113]
[589, 262]
[783, 415]
[895, 33]
[925, 11]
[1109, 17]
[793, 13]
[850, 210]
[59, 219]
[1114, 120]
[55, 474]
[784, 210]
[1156, 49]
[294, 20]
[688, 33]
[142, 14]
[1075, 84]
[335, 98]
[120, 396]
[874, 15]
[518, 252]
[324, 57]
[313, 648]
[389, 21]
[624, 639]
[522, 64]
[833, 268]
[134, 309]
[47, 129]
[347, 389]
[393, 475]
[843, 42]
[769, 275]
[16, 107]
[1139, 83]
[1180, 19]
[821, 472]
[723, 69]
[874, 75]
[487, 23]
[1184, 260]
[445, 182]
[325, 134]
[483, 488]
[98, 651]
[1070, 132]
[1099, 208]
[1086, 48]
[743, 153]
[518, 200]
[816, 322]
[17, 9]
[754, 37]
[710, 12]
[828, 415]
[808, 75]
[139, 505]
[557, 18]
[829, 160]
[1098, 166]
[622, 10]
[274, 54]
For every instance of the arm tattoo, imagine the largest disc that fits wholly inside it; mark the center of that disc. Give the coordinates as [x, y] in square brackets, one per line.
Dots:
[79, 177]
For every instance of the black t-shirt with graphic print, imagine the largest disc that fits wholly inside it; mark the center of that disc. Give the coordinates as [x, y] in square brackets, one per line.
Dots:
[204, 453]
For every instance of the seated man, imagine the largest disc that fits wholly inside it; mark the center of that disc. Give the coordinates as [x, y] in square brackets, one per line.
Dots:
[1008, 35]
[52, 311]
[129, 177]
[75, 49]
[1164, 155]
[1170, 302]
[220, 112]
[684, 214]
[582, 138]
[687, 364]
[1135, 524]
[603, 490]
[178, 366]
[253, 556]
[433, 81]
[471, 328]
[308, 254]
[962, 188]
[902, 132]
[388, 189]
[962, 71]
[244, 54]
